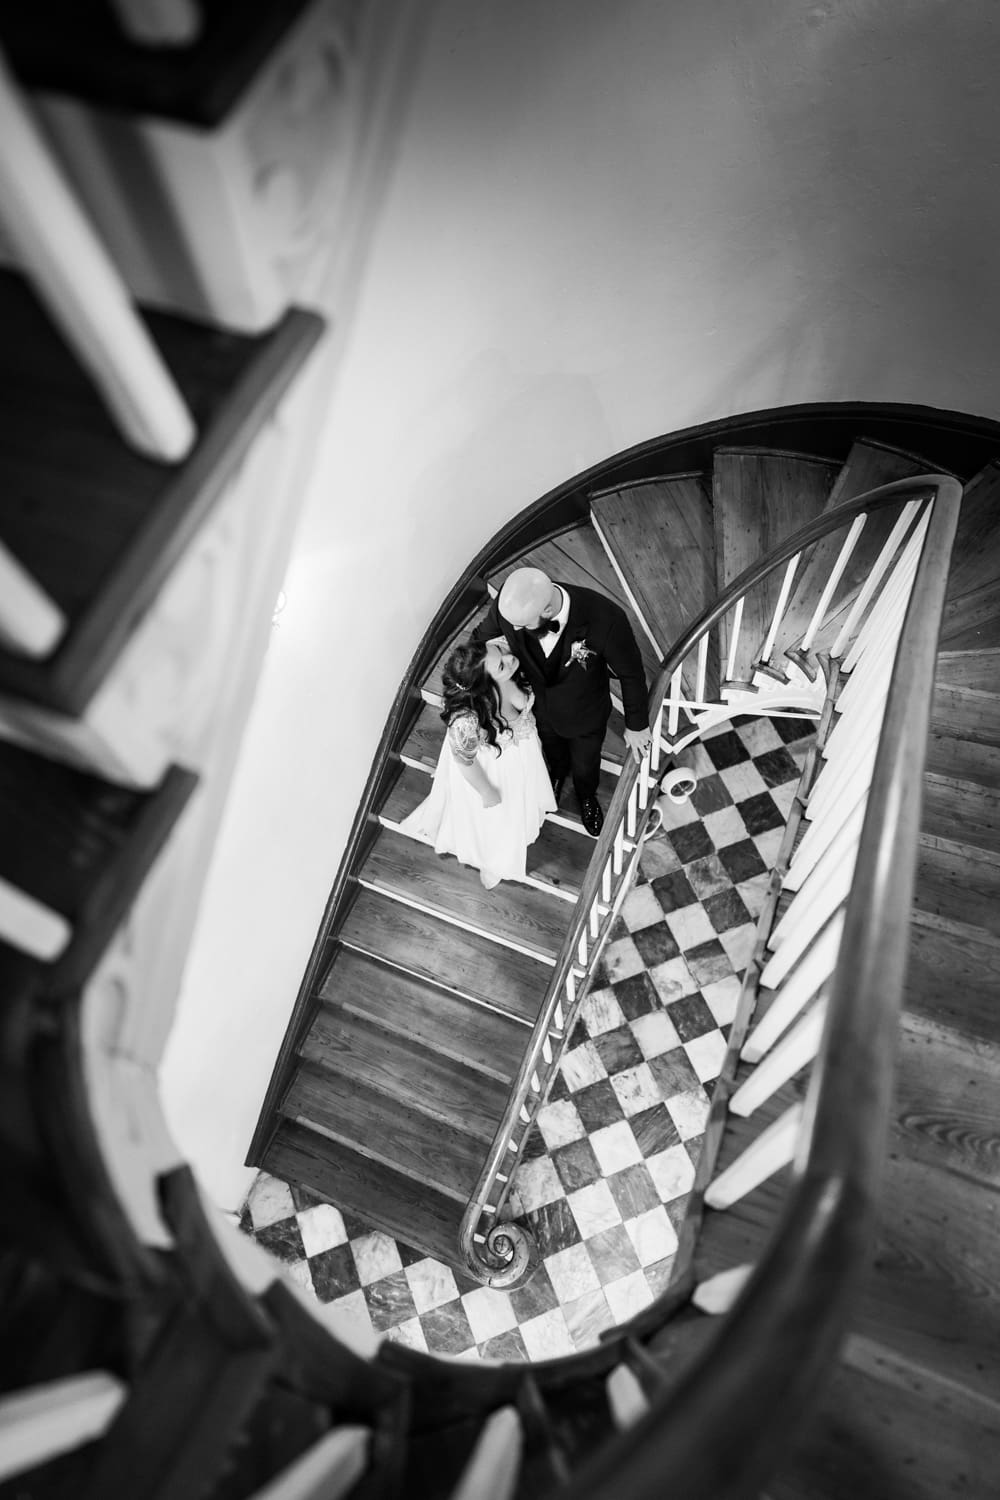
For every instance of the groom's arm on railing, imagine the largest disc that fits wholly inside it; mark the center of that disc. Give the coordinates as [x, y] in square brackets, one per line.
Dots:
[624, 659]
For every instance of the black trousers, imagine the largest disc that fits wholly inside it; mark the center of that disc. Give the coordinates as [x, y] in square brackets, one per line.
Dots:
[579, 757]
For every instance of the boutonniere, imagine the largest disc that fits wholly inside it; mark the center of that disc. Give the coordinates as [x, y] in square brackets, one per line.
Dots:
[580, 653]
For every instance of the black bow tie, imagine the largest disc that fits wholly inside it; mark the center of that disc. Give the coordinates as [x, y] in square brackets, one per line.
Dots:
[544, 627]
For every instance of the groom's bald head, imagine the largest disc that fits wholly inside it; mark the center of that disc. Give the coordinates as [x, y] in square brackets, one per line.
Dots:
[528, 595]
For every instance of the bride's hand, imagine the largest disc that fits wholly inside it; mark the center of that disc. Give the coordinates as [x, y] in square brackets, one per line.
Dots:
[493, 799]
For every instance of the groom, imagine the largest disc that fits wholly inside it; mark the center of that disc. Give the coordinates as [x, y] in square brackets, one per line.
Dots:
[567, 641]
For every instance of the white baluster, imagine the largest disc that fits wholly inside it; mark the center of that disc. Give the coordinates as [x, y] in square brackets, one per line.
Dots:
[631, 811]
[30, 926]
[606, 882]
[874, 578]
[547, 1048]
[618, 855]
[536, 1087]
[52, 238]
[886, 618]
[595, 918]
[780, 607]
[492, 1471]
[871, 676]
[525, 1114]
[716, 1294]
[773, 1149]
[40, 1423]
[847, 779]
[702, 673]
[734, 638]
[675, 697]
[159, 23]
[642, 782]
[798, 1047]
[818, 897]
[582, 949]
[827, 837]
[843, 557]
[626, 1398]
[656, 748]
[30, 622]
[797, 990]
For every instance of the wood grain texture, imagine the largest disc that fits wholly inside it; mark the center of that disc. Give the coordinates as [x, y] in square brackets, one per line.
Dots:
[442, 1087]
[387, 1130]
[510, 913]
[466, 963]
[967, 712]
[961, 810]
[448, 1024]
[974, 554]
[759, 498]
[953, 977]
[662, 535]
[947, 1105]
[958, 883]
[398, 1205]
[969, 669]
[867, 466]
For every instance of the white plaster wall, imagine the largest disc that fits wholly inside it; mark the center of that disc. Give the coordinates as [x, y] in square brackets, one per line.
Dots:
[605, 223]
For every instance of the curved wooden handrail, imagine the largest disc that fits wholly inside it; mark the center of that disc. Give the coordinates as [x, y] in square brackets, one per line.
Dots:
[485, 1195]
[719, 1435]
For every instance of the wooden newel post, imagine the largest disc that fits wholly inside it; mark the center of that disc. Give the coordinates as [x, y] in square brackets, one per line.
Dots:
[73, 274]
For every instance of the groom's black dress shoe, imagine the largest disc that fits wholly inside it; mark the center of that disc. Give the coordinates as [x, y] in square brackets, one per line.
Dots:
[591, 815]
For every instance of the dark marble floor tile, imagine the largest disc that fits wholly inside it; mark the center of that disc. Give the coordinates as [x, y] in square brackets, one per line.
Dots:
[693, 1148]
[659, 1275]
[633, 1190]
[710, 795]
[690, 842]
[655, 944]
[677, 1211]
[553, 1227]
[282, 1240]
[791, 730]
[675, 1075]
[334, 1273]
[708, 876]
[578, 1036]
[390, 1301]
[725, 749]
[613, 1254]
[302, 1198]
[560, 1088]
[761, 813]
[535, 1146]
[509, 1345]
[446, 1329]
[708, 962]
[691, 1017]
[653, 1129]
[618, 1049]
[776, 767]
[354, 1226]
[674, 890]
[598, 1105]
[637, 996]
[246, 1222]
[618, 930]
[539, 1296]
[576, 1165]
[408, 1255]
[726, 910]
[741, 861]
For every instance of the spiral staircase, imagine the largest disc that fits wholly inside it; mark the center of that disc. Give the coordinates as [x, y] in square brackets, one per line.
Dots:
[183, 1363]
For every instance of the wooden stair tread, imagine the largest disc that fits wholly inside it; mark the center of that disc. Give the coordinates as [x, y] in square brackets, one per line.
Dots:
[441, 1087]
[969, 669]
[961, 810]
[662, 535]
[409, 1211]
[947, 1104]
[448, 1024]
[973, 557]
[953, 978]
[966, 712]
[867, 466]
[511, 913]
[467, 963]
[952, 883]
[98, 525]
[760, 497]
[578, 557]
[950, 755]
[386, 1129]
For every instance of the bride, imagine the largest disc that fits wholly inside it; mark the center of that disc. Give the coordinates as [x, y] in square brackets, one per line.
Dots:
[491, 790]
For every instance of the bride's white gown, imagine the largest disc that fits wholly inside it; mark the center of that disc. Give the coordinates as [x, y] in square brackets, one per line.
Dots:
[493, 839]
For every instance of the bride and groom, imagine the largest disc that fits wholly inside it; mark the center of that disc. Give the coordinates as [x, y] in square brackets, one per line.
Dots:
[526, 703]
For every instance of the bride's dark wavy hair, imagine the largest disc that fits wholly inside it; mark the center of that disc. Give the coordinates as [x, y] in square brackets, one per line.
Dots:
[467, 686]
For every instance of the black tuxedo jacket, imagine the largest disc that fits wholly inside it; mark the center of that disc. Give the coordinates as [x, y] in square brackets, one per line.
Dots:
[572, 688]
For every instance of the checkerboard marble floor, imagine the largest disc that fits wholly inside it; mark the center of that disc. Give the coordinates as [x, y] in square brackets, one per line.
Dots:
[605, 1181]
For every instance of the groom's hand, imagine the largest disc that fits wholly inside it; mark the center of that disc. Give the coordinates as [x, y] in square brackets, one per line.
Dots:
[639, 741]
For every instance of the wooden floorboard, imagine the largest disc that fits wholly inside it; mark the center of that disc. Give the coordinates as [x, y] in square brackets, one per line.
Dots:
[974, 552]
[399, 1135]
[948, 755]
[947, 1102]
[953, 977]
[511, 913]
[464, 962]
[760, 498]
[969, 669]
[967, 712]
[408, 1210]
[953, 883]
[448, 1024]
[961, 810]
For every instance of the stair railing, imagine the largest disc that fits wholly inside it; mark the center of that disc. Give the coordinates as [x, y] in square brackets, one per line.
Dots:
[497, 1250]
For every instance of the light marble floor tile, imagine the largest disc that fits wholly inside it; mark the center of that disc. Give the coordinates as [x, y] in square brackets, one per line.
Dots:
[349, 1318]
[678, 814]
[601, 1012]
[689, 1112]
[547, 1337]
[753, 892]
[655, 1033]
[489, 1312]
[321, 1227]
[594, 1208]
[299, 1272]
[672, 1172]
[537, 1183]
[739, 943]
[725, 827]
[572, 1273]
[636, 1089]
[673, 980]
[582, 1065]
[759, 736]
[658, 857]
[722, 997]
[768, 845]
[431, 1284]
[270, 1200]
[628, 1296]
[641, 908]
[706, 1055]
[375, 1255]
[743, 781]
[784, 796]
[615, 1147]
[622, 960]
[587, 1317]
[690, 926]
[653, 1235]
[409, 1333]
[560, 1124]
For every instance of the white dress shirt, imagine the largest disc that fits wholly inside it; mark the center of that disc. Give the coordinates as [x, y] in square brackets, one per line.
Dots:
[550, 640]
